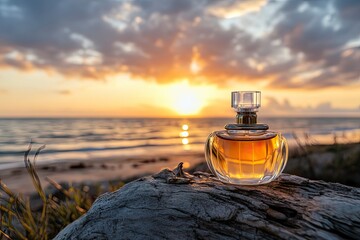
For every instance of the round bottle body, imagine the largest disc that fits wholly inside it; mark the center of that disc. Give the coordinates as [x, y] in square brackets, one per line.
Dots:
[246, 157]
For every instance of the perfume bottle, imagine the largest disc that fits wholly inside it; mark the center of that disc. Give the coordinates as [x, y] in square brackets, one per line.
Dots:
[246, 153]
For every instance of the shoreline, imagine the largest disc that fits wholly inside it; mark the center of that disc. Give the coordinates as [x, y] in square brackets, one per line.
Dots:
[96, 170]
[122, 168]
[87, 140]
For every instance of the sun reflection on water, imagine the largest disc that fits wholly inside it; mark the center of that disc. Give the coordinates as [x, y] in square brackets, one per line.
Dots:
[185, 141]
[186, 165]
[184, 136]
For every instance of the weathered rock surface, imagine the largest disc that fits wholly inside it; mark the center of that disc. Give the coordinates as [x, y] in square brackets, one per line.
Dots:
[177, 205]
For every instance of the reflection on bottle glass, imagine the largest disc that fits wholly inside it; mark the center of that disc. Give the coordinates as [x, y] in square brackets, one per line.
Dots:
[246, 152]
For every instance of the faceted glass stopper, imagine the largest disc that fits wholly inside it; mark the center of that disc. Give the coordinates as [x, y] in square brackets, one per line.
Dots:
[246, 101]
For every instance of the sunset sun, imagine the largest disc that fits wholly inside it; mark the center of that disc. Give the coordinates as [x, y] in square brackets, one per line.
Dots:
[188, 99]
[188, 104]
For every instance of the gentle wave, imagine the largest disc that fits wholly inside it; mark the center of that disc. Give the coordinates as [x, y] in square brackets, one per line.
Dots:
[71, 138]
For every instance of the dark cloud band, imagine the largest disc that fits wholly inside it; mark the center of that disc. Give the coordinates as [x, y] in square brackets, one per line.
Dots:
[306, 44]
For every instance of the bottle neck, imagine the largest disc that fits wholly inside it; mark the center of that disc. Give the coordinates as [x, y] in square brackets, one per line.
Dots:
[246, 118]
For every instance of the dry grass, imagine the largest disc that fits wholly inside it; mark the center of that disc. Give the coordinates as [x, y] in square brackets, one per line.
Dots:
[19, 219]
[343, 165]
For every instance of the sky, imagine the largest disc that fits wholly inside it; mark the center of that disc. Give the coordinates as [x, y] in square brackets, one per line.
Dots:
[171, 58]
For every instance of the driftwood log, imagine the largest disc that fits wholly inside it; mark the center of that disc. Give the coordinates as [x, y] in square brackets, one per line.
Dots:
[177, 205]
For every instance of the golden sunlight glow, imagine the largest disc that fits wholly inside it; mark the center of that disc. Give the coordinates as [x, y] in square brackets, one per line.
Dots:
[194, 67]
[184, 137]
[184, 134]
[185, 141]
[196, 64]
[187, 99]
[237, 9]
[186, 165]
[188, 104]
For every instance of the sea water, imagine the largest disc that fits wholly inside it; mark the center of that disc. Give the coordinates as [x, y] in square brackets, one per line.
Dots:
[69, 139]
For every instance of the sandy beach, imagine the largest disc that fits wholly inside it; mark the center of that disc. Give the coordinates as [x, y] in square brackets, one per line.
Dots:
[322, 158]
[92, 171]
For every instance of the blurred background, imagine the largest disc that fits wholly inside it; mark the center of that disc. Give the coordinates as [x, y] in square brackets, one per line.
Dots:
[115, 86]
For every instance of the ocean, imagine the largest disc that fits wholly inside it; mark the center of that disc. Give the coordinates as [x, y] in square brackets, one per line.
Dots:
[69, 139]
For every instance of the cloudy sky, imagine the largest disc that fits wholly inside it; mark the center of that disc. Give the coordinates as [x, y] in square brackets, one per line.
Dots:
[169, 58]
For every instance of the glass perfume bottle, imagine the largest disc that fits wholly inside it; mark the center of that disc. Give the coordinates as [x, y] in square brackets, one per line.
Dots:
[246, 153]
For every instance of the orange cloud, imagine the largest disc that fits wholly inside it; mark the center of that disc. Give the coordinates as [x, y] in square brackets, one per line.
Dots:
[232, 9]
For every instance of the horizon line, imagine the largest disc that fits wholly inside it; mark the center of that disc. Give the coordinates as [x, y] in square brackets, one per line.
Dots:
[180, 117]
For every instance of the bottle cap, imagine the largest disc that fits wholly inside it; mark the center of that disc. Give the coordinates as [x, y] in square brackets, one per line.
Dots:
[246, 101]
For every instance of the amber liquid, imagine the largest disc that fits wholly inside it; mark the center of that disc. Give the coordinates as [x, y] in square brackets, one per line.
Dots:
[245, 159]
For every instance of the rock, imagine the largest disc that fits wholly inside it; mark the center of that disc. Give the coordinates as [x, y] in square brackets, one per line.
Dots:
[201, 207]
[80, 165]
